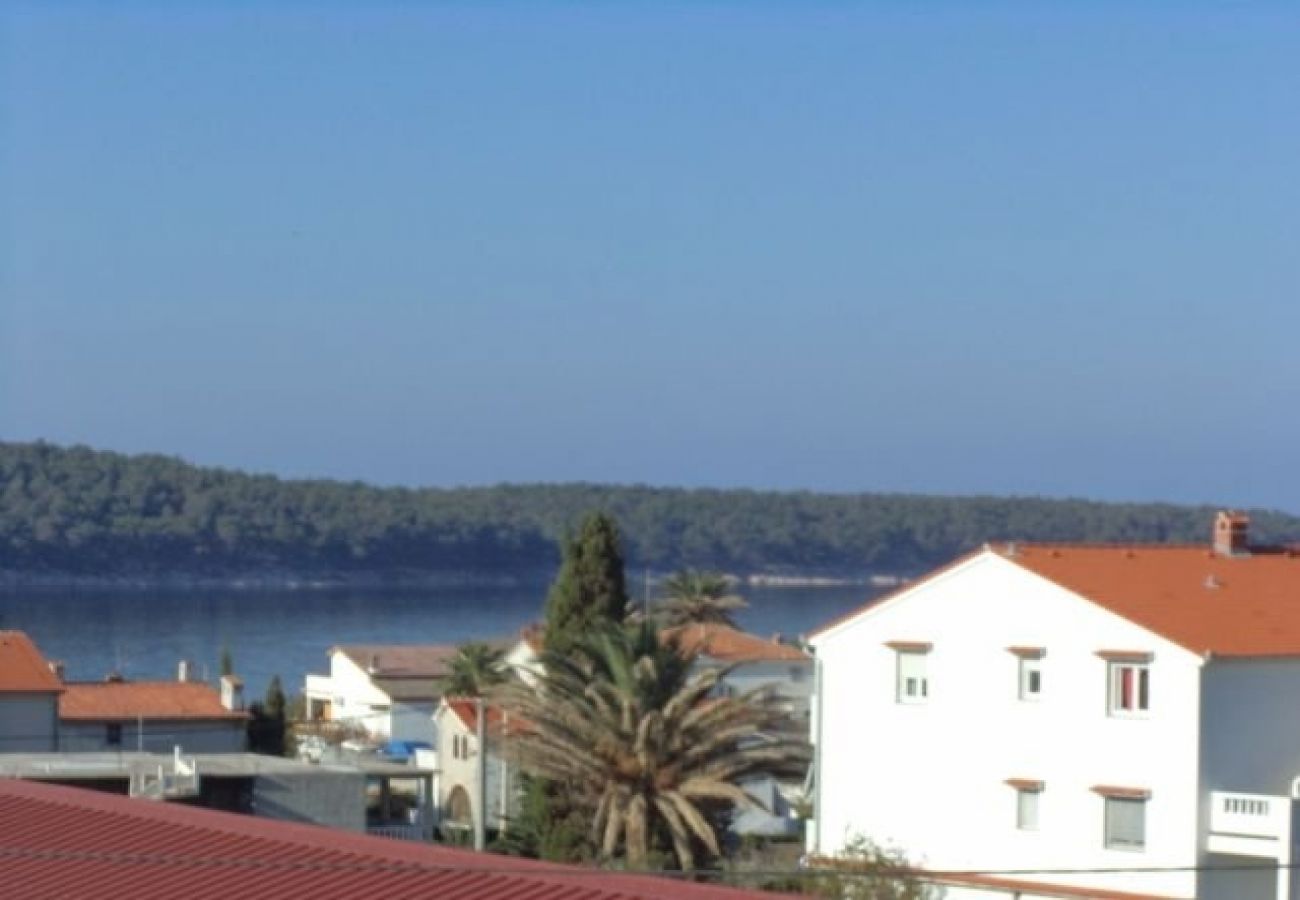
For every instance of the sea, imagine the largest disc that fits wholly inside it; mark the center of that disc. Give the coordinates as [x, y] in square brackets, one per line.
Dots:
[144, 634]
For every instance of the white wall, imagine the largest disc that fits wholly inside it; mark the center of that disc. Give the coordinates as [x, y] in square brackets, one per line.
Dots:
[413, 721]
[929, 778]
[463, 772]
[29, 723]
[356, 700]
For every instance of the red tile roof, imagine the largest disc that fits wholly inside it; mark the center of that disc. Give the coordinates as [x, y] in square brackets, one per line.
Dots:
[726, 644]
[465, 709]
[1225, 605]
[60, 842]
[130, 700]
[22, 668]
[1244, 605]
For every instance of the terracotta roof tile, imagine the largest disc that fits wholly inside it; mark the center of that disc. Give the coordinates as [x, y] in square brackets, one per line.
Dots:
[59, 842]
[1224, 605]
[22, 668]
[727, 644]
[129, 700]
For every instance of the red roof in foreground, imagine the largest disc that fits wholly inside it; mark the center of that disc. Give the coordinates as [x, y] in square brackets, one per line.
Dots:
[22, 668]
[129, 700]
[60, 842]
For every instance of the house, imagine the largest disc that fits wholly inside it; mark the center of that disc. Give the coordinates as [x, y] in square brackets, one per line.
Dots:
[1121, 718]
[458, 765]
[148, 716]
[390, 692]
[29, 697]
[66, 842]
[753, 661]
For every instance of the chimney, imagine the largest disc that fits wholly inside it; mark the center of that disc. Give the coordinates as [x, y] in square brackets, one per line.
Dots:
[232, 693]
[57, 668]
[183, 670]
[1231, 533]
[373, 668]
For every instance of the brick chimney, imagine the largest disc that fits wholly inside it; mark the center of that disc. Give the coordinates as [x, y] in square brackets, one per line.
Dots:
[1231, 533]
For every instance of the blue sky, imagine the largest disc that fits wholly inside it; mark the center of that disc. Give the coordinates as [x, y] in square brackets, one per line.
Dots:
[1012, 249]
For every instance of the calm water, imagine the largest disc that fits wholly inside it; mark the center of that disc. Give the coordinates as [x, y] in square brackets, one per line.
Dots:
[143, 634]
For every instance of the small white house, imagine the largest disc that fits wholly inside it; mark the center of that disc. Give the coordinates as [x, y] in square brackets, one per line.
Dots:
[1108, 718]
[459, 757]
[388, 691]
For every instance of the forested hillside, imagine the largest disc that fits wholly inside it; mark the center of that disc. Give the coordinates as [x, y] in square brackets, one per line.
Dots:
[82, 512]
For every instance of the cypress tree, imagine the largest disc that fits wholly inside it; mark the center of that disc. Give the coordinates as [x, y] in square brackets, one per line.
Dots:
[589, 591]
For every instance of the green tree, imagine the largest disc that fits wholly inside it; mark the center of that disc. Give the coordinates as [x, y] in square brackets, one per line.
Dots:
[227, 663]
[696, 596]
[864, 870]
[639, 743]
[267, 724]
[474, 670]
[589, 592]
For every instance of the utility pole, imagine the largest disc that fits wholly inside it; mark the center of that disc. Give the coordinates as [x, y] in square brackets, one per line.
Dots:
[480, 781]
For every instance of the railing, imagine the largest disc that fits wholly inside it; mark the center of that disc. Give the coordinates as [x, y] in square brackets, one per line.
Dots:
[1249, 815]
[400, 832]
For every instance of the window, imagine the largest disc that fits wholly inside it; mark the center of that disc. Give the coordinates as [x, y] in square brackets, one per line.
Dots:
[1027, 808]
[913, 685]
[113, 734]
[1029, 672]
[1126, 823]
[1130, 688]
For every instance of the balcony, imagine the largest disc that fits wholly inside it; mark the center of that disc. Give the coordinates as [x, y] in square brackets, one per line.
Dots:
[1250, 824]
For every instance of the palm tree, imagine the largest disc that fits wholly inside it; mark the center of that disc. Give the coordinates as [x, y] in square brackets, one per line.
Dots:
[632, 734]
[696, 596]
[474, 669]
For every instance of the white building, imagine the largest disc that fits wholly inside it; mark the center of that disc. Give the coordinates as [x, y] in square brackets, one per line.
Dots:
[459, 758]
[390, 692]
[1070, 709]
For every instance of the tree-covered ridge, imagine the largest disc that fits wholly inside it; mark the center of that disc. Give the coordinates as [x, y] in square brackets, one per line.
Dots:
[80, 511]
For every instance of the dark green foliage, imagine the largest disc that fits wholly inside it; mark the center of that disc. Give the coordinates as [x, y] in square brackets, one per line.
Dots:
[547, 826]
[475, 668]
[266, 724]
[589, 592]
[76, 511]
[227, 662]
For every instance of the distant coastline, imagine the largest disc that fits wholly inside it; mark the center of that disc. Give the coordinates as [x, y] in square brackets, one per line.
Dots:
[398, 580]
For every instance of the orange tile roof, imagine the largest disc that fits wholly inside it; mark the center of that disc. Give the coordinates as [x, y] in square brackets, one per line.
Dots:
[129, 700]
[727, 644]
[465, 709]
[1224, 605]
[22, 668]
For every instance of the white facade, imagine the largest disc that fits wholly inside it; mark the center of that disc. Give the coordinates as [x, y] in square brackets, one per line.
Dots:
[458, 762]
[352, 697]
[931, 729]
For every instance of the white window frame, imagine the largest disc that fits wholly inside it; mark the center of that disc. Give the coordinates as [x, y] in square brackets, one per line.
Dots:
[1028, 807]
[1111, 807]
[912, 676]
[1137, 704]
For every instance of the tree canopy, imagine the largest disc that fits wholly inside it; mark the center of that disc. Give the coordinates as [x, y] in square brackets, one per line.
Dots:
[73, 511]
[589, 592]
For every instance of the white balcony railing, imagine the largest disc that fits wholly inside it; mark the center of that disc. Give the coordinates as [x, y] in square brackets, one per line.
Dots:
[1249, 815]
